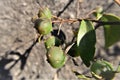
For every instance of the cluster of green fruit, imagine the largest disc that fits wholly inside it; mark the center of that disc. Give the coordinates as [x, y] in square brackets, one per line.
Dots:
[55, 55]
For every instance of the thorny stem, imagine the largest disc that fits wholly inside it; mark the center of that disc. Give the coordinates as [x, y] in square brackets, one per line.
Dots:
[99, 23]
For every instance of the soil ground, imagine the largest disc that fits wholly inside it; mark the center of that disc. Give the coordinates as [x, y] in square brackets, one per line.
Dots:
[21, 59]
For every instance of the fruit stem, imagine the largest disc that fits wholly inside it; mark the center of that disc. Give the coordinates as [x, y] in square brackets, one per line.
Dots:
[39, 38]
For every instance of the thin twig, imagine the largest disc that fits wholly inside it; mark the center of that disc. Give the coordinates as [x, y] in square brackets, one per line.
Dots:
[59, 20]
[99, 23]
[93, 20]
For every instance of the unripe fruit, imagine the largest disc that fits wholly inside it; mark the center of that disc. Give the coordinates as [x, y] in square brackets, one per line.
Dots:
[56, 57]
[74, 51]
[52, 41]
[44, 13]
[43, 26]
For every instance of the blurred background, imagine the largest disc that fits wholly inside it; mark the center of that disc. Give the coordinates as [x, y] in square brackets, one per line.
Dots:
[23, 59]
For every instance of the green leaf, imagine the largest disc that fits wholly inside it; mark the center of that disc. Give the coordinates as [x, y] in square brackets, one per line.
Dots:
[108, 64]
[102, 69]
[85, 27]
[86, 40]
[74, 51]
[111, 32]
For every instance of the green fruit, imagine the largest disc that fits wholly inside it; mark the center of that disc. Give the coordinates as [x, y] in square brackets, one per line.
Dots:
[74, 51]
[52, 41]
[44, 13]
[102, 69]
[43, 26]
[56, 57]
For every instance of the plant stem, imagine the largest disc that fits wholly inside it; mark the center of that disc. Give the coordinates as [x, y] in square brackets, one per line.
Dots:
[99, 23]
